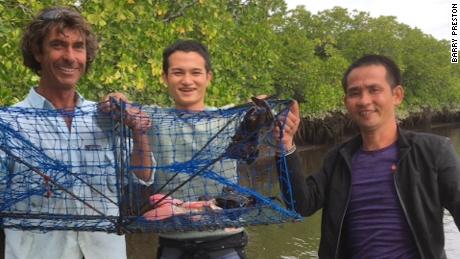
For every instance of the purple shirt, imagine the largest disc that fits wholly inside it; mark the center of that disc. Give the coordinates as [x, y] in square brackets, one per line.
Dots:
[375, 225]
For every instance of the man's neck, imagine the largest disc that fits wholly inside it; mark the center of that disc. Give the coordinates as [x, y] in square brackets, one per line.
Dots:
[378, 139]
[60, 98]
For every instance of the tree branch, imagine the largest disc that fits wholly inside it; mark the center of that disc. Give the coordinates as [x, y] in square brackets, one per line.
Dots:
[180, 12]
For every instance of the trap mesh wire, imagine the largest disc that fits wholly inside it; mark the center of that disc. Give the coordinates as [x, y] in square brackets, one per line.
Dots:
[212, 170]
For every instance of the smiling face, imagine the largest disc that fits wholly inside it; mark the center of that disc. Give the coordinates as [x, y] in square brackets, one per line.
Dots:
[187, 80]
[370, 100]
[62, 59]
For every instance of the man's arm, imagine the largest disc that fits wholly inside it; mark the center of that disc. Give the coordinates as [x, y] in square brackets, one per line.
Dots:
[291, 123]
[140, 123]
[307, 194]
[141, 155]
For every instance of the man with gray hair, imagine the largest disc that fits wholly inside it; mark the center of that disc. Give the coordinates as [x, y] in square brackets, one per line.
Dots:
[60, 47]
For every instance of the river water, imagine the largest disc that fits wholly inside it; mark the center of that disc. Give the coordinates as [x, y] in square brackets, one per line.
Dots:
[297, 240]
[301, 240]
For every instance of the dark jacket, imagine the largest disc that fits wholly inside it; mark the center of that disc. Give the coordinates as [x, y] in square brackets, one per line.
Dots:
[427, 180]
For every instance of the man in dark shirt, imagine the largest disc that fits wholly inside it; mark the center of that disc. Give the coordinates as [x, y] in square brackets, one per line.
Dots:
[383, 192]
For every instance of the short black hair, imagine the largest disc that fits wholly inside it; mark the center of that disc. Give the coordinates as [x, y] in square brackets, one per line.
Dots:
[187, 46]
[394, 77]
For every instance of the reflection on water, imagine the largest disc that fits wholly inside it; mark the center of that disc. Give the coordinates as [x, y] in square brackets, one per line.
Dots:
[301, 240]
[452, 234]
[291, 240]
[452, 237]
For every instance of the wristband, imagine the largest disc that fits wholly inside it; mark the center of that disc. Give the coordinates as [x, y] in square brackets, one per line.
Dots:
[287, 152]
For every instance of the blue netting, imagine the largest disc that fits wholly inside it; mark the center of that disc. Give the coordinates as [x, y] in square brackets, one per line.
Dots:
[213, 169]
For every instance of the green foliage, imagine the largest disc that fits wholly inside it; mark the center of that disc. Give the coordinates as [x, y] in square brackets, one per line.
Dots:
[257, 47]
[321, 47]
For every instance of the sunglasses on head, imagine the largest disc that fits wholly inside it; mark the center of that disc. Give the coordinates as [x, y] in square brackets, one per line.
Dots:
[54, 14]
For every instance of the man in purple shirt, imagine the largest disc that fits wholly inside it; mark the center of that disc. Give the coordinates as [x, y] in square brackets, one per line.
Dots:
[383, 192]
